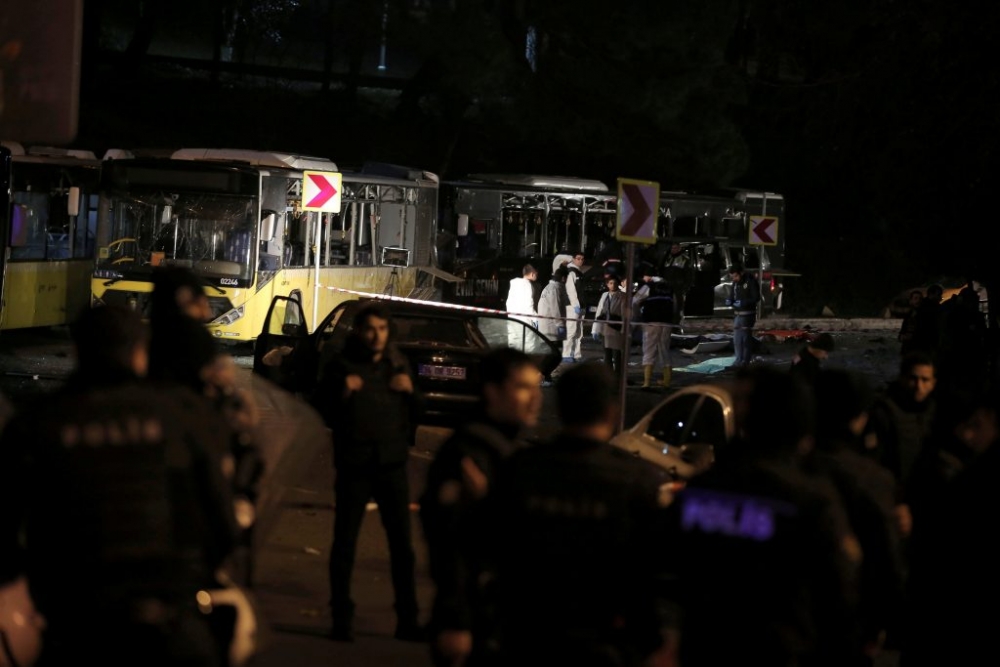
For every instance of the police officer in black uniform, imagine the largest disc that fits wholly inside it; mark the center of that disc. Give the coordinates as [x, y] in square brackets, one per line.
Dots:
[744, 295]
[452, 507]
[579, 539]
[112, 493]
[367, 397]
[764, 559]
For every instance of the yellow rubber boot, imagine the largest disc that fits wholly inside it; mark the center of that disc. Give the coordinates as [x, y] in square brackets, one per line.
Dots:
[667, 372]
[647, 376]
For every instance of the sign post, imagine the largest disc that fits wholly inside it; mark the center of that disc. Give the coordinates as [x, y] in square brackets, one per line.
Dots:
[763, 231]
[638, 205]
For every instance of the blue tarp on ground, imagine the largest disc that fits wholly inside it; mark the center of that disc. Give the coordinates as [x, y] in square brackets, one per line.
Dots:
[709, 366]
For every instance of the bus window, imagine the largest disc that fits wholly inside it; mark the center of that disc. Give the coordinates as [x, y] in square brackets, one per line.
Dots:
[29, 233]
[521, 234]
[85, 227]
[19, 225]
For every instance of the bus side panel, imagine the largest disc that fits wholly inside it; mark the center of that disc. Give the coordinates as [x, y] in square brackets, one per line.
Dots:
[42, 294]
[377, 280]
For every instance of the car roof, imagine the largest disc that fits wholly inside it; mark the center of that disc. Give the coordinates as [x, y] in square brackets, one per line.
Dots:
[404, 308]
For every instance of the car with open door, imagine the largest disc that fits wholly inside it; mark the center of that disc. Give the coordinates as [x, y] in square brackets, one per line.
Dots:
[443, 344]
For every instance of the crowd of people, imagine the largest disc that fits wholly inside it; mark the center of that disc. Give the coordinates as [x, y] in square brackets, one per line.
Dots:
[840, 521]
[127, 496]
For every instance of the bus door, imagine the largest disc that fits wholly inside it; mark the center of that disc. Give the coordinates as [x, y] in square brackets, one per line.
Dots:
[6, 217]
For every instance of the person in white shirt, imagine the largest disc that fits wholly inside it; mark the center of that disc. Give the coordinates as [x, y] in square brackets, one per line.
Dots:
[521, 306]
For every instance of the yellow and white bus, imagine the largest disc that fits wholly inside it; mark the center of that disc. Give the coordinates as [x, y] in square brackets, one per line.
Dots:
[237, 218]
[48, 215]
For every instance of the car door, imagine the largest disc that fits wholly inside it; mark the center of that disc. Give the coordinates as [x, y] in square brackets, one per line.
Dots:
[284, 353]
[500, 331]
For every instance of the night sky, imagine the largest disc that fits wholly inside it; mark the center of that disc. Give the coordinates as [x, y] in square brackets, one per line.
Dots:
[877, 119]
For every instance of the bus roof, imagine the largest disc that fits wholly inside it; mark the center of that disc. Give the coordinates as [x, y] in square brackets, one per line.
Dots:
[535, 182]
[398, 172]
[370, 179]
[255, 158]
[17, 150]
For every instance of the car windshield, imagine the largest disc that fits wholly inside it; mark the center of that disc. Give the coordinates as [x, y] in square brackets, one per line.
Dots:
[689, 419]
[430, 330]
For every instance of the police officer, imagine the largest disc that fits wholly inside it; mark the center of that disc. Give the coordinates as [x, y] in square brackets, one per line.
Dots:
[763, 555]
[452, 507]
[744, 295]
[117, 494]
[578, 539]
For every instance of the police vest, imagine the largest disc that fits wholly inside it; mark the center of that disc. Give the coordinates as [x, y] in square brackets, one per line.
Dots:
[659, 305]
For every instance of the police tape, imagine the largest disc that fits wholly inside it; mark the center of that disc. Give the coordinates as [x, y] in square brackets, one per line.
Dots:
[519, 316]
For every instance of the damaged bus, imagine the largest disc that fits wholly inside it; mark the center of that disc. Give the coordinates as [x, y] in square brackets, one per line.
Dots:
[237, 219]
[48, 211]
[494, 224]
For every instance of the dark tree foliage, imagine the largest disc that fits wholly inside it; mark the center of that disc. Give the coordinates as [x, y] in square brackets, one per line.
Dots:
[877, 119]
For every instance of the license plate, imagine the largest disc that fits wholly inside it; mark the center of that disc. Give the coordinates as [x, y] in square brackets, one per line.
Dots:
[444, 372]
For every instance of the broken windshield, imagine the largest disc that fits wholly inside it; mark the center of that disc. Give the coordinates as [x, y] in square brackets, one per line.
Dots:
[212, 234]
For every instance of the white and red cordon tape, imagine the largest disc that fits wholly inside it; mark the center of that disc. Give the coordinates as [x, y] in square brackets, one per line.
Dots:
[493, 311]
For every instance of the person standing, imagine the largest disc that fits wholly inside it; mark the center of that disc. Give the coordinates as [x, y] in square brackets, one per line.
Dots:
[902, 417]
[459, 481]
[112, 495]
[552, 307]
[843, 401]
[792, 599]
[744, 295]
[579, 540]
[656, 307]
[677, 271]
[367, 398]
[574, 312]
[182, 350]
[808, 361]
[954, 580]
[521, 305]
[608, 324]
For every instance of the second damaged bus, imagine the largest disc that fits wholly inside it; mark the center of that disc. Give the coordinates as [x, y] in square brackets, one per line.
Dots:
[501, 222]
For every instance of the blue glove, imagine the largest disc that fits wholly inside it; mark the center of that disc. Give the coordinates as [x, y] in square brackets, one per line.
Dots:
[729, 302]
[596, 336]
[737, 304]
[577, 310]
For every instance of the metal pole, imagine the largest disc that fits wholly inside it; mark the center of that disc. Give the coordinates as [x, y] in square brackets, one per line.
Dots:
[381, 51]
[317, 241]
[760, 262]
[626, 331]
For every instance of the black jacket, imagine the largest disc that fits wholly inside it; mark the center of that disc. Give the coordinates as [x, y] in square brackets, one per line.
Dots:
[580, 544]
[375, 425]
[454, 524]
[120, 488]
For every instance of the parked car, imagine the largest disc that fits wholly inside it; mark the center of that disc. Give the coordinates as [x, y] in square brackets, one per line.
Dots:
[444, 346]
[683, 433]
